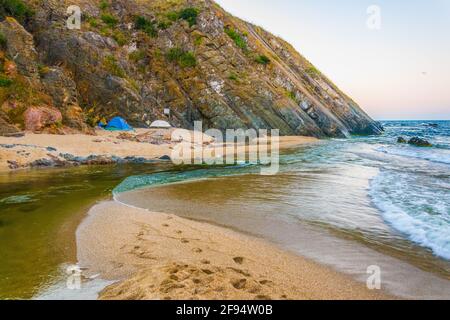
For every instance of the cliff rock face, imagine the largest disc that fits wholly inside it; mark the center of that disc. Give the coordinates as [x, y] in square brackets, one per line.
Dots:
[134, 58]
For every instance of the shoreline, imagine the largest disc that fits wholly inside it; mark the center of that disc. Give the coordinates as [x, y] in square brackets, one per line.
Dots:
[162, 256]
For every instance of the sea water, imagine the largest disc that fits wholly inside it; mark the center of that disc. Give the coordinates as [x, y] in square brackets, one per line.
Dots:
[348, 203]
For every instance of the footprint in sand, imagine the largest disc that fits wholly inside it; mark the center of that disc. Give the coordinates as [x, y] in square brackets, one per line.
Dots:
[239, 284]
[197, 250]
[146, 255]
[239, 271]
[184, 241]
[207, 271]
[238, 260]
[204, 261]
[165, 225]
[179, 232]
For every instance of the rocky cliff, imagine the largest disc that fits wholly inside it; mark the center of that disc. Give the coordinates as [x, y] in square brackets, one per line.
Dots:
[134, 58]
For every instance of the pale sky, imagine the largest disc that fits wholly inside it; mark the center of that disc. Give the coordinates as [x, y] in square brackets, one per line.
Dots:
[401, 71]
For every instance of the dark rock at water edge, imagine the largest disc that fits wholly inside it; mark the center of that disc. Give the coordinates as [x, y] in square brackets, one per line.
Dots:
[419, 142]
[401, 140]
[165, 157]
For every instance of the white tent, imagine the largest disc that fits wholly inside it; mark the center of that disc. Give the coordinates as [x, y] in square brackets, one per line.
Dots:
[160, 124]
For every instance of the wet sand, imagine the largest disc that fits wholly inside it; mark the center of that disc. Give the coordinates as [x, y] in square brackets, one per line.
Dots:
[162, 256]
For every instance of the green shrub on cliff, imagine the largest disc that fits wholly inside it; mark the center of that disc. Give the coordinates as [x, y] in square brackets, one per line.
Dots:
[5, 81]
[174, 54]
[15, 8]
[237, 38]
[233, 76]
[190, 15]
[184, 58]
[110, 64]
[262, 59]
[142, 23]
[173, 16]
[92, 22]
[110, 20]
[188, 60]
[312, 71]
[163, 25]
[104, 5]
[291, 95]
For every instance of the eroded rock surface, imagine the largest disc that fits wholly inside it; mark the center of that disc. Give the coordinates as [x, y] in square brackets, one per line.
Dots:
[134, 59]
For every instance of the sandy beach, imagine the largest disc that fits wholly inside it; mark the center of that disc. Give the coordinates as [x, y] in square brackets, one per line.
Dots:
[160, 256]
[45, 150]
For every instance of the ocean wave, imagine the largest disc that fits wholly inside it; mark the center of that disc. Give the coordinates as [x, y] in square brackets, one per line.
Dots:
[415, 207]
[430, 154]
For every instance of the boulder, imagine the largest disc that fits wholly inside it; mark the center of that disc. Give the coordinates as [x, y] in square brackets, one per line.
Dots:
[38, 118]
[419, 142]
[401, 140]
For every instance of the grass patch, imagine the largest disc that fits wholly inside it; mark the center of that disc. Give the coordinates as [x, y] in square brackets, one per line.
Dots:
[163, 25]
[110, 64]
[185, 59]
[104, 5]
[137, 55]
[291, 95]
[312, 71]
[262, 59]
[233, 76]
[237, 38]
[15, 8]
[105, 31]
[5, 81]
[142, 23]
[173, 16]
[120, 37]
[92, 22]
[109, 20]
[198, 40]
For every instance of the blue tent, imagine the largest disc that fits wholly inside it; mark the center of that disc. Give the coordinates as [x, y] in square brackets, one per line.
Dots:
[118, 124]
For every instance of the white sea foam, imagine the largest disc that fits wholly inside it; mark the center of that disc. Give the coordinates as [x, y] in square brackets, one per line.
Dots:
[430, 154]
[420, 212]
